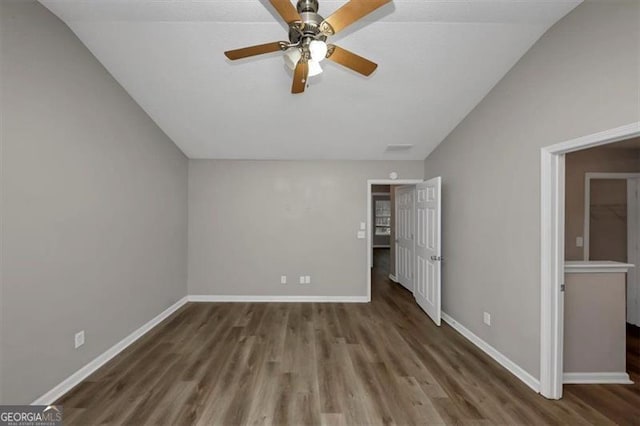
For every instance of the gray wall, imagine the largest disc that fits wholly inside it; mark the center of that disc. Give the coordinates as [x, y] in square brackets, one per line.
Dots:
[580, 78]
[252, 221]
[1, 205]
[94, 202]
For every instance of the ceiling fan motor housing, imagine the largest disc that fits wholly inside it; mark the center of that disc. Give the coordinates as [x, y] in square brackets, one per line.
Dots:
[310, 29]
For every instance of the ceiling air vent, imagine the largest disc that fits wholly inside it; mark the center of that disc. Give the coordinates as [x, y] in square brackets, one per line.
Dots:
[399, 147]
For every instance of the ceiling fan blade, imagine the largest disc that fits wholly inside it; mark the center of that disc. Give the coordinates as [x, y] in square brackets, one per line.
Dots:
[351, 60]
[348, 14]
[255, 50]
[300, 76]
[287, 10]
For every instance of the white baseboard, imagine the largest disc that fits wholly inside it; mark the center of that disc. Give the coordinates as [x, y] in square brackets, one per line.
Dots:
[501, 359]
[393, 278]
[599, 378]
[77, 377]
[275, 299]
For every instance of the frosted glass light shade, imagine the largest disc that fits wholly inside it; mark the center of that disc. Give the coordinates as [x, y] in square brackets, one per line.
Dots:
[291, 57]
[314, 68]
[318, 50]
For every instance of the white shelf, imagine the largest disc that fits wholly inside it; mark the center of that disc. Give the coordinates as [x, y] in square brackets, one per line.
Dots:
[595, 266]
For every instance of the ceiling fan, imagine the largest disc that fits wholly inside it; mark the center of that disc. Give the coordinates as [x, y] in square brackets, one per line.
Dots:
[308, 33]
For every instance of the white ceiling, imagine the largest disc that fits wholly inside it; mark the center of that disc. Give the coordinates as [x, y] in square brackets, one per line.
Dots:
[437, 60]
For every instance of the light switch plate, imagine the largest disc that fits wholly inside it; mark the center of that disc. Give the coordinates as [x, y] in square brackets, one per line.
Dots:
[307, 279]
[79, 339]
[301, 279]
[487, 319]
[361, 235]
[579, 242]
[283, 279]
[363, 226]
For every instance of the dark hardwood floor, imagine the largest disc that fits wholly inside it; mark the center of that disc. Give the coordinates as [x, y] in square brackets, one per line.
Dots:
[335, 364]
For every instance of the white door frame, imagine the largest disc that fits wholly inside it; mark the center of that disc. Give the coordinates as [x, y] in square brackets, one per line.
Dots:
[552, 184]
[370, 184]
[631, 208]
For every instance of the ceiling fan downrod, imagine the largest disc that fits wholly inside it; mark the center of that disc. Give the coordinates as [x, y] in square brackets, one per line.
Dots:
[307, 6]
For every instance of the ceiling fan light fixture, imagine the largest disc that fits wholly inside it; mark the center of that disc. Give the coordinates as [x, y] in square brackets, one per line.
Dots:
[308, 32]
[318, 50]
[314, 68]
[291, 57]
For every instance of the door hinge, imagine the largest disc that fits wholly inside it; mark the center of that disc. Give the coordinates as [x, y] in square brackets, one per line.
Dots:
[562, 287]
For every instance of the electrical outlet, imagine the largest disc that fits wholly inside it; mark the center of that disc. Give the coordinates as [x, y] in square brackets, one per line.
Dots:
[579, 242]
[79, 339]
[307, 279]
[283, 279]
[487, 318]
[301, 279]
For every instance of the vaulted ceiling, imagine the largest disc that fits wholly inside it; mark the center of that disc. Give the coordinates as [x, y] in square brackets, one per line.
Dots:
[437, 60]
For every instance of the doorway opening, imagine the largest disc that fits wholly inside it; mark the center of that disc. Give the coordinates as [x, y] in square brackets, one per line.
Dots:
[381, 219]
[383, 232]
[554, 247]
[411, 216]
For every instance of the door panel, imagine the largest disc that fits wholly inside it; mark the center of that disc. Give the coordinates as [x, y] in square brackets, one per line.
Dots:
[404, 236]
[428, 248]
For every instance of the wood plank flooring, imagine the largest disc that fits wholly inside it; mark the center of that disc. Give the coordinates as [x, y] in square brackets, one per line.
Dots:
[324, 364]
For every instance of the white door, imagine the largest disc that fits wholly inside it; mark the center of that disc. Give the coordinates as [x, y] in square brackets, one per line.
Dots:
[428, 247]
[404, 236]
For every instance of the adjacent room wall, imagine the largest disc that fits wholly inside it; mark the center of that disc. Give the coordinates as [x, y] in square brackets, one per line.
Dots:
[379, 240]
[580, 78]
[595, 307]
[577, 164]
[252, 221]
[94, 206]
[608, 227]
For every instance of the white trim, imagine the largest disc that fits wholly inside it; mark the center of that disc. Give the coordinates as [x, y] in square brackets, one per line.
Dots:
[587, 204]
[497, 356]
[393, 278]
[552, 274]
[276, 299]
[552, 250]
[369, 216]
[596, 267]
[597, 378]
[633, 251]
[70, 382]
[616, 134]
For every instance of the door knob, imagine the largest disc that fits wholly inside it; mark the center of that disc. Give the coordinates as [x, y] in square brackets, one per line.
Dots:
[437, 258]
